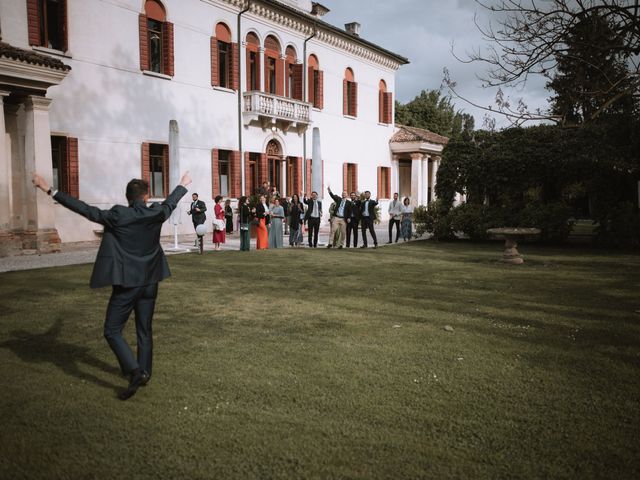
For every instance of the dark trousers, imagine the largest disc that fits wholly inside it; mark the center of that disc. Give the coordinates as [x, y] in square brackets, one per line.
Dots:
[123, 300]
[367, 224]
[313, 224]
[245, 241]
[352, 227]
[393, 222]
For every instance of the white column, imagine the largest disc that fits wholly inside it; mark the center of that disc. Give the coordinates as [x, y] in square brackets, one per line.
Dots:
[263, 68]
[395, 174]
[5, 170]
[416, 166]
[283, 177]
[16, 149]
[424, 182]
[37, 158]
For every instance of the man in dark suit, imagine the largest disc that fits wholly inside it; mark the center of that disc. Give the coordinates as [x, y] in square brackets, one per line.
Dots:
[367, 216]
[353, 220]
[131, 260]
[313, 216]
[197, 209]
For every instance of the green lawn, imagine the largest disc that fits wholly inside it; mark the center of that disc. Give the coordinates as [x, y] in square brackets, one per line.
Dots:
[334, 364]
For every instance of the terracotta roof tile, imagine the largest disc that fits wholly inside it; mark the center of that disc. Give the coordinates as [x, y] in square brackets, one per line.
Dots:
[15, 53]
[413, 134]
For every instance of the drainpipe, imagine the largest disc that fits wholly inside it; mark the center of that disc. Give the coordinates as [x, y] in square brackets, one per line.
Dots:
[305, 88]
[242, 165]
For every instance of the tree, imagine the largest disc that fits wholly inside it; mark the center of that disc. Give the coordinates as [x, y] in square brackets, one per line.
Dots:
[530, 37]
[591, 77]
[433, 111]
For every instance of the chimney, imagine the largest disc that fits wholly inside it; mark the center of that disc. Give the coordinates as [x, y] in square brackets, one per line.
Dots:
[353, 28]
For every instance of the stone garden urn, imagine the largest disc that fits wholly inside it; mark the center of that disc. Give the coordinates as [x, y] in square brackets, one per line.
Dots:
[511, 236]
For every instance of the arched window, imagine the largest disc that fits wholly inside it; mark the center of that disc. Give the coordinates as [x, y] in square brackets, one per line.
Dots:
[253, 61]
[350, 94]
[222, 58]
[291, 69]
[156, 39]
[47, 23]
[274, 67]
[385, 104]
[315, 82]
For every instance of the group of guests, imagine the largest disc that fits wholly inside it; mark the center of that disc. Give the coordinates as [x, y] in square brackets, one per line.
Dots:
[275, 216]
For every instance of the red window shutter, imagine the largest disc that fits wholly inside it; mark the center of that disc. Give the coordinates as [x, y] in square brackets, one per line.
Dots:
[280, 77]
[247, 68]
[297, 81]
[165, 171]
[167, 48]
[236, 175]
[248, 180]
[354, 188]
[33, 22]
[319, 93]
[380, 193]
[144, 42]
[387, 186]
[63, 22]
[381, 104]
[235, 72]
[266, 73]
[309, 186]
[345, 176]
[73, 185]
[354, 99]
[215, 173]
[345, 97]
[145, 167]
[311, 89]
[297, 175]
[388, 108]
[214, 62]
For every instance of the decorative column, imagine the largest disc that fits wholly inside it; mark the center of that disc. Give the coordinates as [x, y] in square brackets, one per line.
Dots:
[283, 177]
[40, 233]
[425, 180]
[263, 68]
[395, 173]
[18, 198]
[416, 180]
[5, 172]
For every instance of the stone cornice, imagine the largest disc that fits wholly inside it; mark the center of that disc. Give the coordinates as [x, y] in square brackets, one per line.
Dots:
[15, 73]
[286, 16]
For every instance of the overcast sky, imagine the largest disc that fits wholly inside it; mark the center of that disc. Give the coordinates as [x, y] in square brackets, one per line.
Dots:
[422, 31]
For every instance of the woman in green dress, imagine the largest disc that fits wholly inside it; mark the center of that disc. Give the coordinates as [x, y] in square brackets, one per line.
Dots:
[277, 217]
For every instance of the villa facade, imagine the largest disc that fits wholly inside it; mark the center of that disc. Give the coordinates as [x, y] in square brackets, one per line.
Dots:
[89, 89]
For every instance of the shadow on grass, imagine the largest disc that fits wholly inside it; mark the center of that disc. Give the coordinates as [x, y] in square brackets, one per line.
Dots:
[47, 348]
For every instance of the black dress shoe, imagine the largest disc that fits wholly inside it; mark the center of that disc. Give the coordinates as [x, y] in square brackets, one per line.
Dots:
[363, 246]
[138, 379]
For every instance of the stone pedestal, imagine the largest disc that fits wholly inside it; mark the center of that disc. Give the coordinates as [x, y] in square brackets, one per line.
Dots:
[511, 235]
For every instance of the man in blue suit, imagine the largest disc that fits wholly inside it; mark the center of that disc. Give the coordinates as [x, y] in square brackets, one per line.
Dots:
[132, 262]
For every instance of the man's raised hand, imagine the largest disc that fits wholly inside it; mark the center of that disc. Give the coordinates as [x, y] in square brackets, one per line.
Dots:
[186, 179]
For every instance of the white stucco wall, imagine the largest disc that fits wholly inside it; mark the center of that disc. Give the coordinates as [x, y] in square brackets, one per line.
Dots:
[112, 107]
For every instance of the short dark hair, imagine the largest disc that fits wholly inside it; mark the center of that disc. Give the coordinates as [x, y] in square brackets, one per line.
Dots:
[314, 192]
[353, 193]
[218, 198]
[137, 189]
[194, 193]
[367, 191]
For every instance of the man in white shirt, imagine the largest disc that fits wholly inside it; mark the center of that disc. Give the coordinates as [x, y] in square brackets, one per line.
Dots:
[312, 217]
[395, 215]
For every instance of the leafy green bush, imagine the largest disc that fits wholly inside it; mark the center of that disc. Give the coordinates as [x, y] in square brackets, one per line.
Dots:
[553, 219]
[433, 219]
[474, 220]
[620, 226]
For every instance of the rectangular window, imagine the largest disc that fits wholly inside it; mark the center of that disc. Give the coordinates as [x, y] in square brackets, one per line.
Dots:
[384, 182]
[253, 71]
[351, 183]
[158, 169]
[154, 29]
[51, 14]
[224, 56]
[290, 76]
[271, 77]
[352, 99]
[253, 171]
[275, 172]
[58, 149]
[316, 89]
[223, 172]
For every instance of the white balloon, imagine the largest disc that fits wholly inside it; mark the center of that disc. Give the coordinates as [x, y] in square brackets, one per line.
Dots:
[201, 229]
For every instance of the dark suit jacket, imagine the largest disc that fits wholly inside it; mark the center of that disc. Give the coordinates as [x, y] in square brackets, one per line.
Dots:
[354, 210]
[372, 208]
[130, 254]
[338, 200]
[260, 213]
[198, 217]
[309, 203]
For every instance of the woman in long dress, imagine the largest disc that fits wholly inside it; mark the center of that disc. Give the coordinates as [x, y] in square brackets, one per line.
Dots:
[296, 214]
[275, 230]
[405, 226]
[244, 219]
[219, 236]
[264, 218]
[228, 216]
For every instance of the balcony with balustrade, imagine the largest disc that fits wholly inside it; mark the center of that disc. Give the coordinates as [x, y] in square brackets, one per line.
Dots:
[274, 111]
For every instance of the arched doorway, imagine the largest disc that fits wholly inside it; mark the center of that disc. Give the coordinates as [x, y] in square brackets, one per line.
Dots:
[275, 160]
